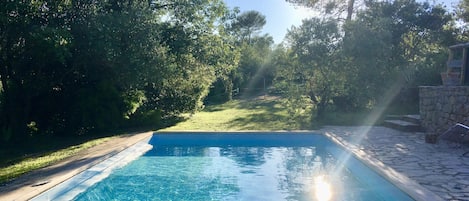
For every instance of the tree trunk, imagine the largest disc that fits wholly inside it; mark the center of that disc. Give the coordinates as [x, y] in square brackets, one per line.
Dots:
[350, 10]
[228, 84]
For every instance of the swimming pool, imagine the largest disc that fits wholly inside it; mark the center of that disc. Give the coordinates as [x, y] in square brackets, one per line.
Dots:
[233, 166]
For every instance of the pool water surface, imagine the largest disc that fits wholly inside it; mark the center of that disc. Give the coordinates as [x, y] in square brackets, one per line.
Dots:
[235, 166]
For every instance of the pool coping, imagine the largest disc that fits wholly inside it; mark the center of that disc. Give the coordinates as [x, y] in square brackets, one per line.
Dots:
[72, 187]
[36, 182]
[409, 186]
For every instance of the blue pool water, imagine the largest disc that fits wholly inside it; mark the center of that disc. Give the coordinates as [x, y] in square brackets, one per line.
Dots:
[243, 167]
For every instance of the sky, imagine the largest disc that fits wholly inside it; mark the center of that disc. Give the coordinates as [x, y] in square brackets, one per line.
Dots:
[281, 16]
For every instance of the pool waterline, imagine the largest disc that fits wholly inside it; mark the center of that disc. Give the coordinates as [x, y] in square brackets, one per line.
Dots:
[422, 195]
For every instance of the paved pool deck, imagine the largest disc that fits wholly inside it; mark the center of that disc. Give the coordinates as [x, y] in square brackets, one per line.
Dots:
[441, 168]
[36, 182]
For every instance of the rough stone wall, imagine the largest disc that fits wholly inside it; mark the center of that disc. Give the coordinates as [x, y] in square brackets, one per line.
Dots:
[443, 106]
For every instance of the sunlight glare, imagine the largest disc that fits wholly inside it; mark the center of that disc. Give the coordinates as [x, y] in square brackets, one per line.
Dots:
[322, 189]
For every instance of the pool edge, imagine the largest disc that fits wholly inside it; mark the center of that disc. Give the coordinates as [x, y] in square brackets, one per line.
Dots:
[404, 183]
[72, 187]
[23, 187]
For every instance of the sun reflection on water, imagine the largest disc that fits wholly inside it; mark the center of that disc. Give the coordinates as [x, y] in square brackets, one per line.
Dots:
[322, 189]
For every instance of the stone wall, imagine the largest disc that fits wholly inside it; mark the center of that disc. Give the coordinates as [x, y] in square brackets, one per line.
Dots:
[443, 106]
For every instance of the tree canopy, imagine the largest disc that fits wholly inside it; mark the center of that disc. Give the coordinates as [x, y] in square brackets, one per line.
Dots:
[71, 68]
[334, 8]
[246, 25]
[75, 67]
[349, 66]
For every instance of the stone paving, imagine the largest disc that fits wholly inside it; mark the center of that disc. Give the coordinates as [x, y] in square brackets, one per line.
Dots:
[442, 168]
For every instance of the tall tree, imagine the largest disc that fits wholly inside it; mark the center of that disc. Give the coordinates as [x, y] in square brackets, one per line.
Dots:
[401, 42]
[248, 24]
[252, 72]
[463, 10]
[315, 46]
[329, 6]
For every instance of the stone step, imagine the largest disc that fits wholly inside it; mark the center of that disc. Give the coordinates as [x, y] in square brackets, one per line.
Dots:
[402, 125]
[414, 118]
[393, 117]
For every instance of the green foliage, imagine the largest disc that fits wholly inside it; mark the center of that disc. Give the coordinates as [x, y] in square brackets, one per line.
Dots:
[79, 67]
[403, 41]
[98, 108]
[222, 91]
[247, 24]
[388, 50]
[316, 72]
[463, 10]
[329, 8]
[254, 72]
[145, 119]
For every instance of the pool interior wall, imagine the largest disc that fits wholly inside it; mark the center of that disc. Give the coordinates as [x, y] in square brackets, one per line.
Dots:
[78, 184]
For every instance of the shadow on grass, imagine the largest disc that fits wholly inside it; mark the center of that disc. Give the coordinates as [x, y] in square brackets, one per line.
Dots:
[263, 121]
[15, 152]
[12, 153]
[267, 114]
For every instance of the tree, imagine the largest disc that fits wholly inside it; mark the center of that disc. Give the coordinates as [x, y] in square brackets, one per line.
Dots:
[463, 10]
[316, 73]
[253, 69]
[417, 30]
[34, 52]
[252, 72]
[403, 41]
[329, 6]
[80, 67]
[390, 45]
[247, 24]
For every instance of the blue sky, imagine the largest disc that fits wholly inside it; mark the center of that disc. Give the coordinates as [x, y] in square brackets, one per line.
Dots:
[281, 15]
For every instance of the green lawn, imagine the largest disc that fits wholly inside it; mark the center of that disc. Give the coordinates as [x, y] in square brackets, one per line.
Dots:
[237, 115]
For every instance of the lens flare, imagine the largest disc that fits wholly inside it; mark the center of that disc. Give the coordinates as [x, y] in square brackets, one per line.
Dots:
[322, 189]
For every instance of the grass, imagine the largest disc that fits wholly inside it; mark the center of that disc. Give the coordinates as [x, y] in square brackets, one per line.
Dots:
[23, 165]
[238, 115]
